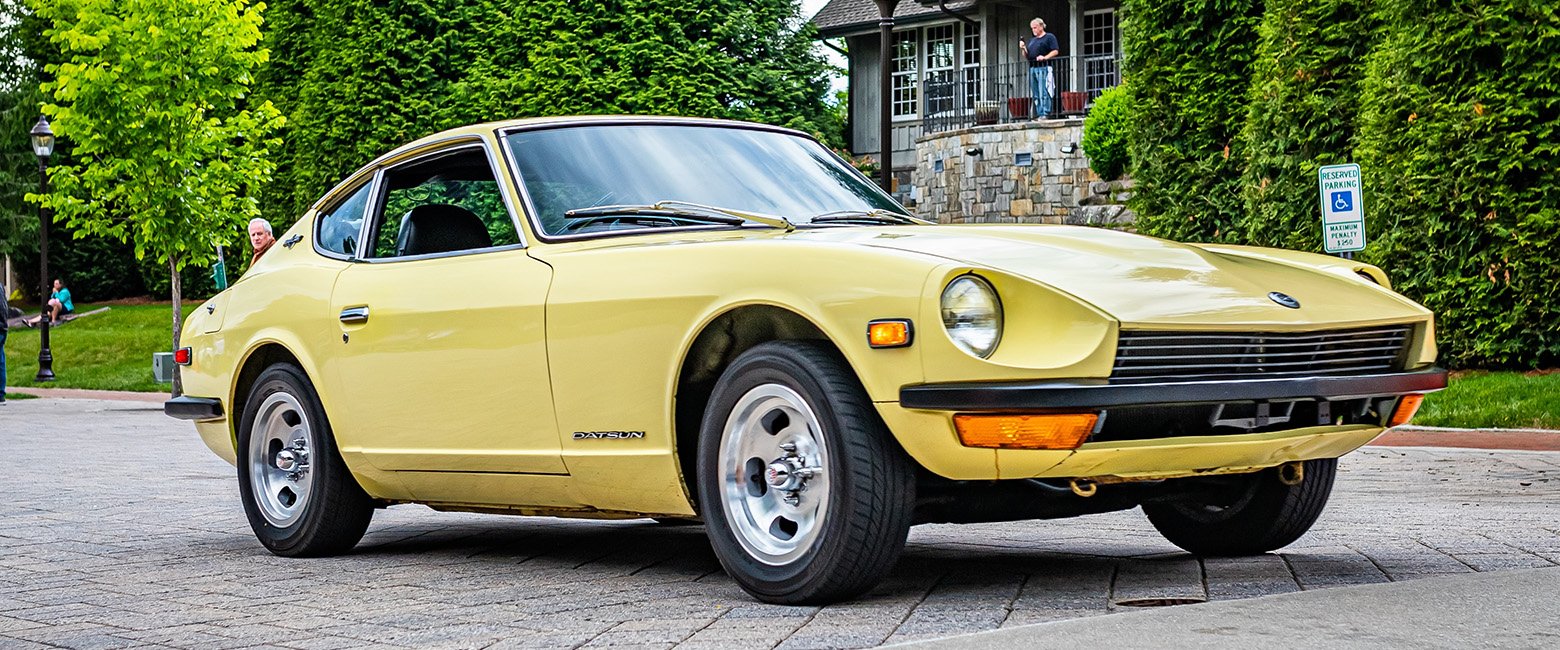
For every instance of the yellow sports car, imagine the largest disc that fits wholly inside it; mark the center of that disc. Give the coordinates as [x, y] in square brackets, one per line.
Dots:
[693, 319]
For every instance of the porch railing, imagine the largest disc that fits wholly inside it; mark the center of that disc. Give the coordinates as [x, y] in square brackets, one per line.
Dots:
[997, 94]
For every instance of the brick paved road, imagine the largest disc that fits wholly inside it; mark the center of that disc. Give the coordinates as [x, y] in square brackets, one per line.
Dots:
[118, 529]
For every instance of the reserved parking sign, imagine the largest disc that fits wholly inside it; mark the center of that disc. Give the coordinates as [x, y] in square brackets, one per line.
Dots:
[1343, 216]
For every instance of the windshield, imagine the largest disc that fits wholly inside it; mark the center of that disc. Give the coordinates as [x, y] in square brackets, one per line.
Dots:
[738, 169]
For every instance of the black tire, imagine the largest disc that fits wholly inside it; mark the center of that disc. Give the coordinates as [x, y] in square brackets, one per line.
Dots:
[869, 496]
[335, 512]
[1264, 515]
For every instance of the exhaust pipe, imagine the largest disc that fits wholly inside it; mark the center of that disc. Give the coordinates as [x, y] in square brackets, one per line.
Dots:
[1291, 473]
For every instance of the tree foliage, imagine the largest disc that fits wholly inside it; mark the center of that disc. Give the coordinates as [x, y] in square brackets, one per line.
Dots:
[357, 78]
[20, 100]
[1105, 133]
[1304, 104]
[1188, 67]
[1460, 148]
[153, 97]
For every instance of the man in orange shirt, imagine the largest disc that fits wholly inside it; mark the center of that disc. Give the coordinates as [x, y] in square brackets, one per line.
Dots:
[261, 238]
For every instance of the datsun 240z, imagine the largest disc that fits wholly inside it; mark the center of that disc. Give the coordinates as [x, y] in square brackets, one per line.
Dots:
[694, 319]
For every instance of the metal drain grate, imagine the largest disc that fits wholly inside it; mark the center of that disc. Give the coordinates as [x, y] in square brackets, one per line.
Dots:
[1159, 602]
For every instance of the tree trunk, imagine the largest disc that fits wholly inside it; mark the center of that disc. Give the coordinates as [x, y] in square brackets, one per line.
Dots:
[178, 322]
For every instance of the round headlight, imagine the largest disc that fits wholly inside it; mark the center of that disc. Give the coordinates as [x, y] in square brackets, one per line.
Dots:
[972, 314]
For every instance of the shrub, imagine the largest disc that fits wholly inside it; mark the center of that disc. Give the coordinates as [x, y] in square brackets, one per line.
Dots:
[357, 78]
[1460, 147]
[1188, 64]
[1304, 100]
[1105, 134]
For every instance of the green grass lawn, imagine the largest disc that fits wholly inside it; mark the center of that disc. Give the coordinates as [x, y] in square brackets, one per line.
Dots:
[1478, 399]
[113, 351]
[107, 351]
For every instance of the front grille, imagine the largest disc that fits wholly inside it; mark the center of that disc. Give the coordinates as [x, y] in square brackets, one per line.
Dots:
[1181, 355]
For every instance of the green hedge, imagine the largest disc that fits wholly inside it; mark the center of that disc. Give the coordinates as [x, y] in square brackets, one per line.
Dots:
[1105, 133]
[356, 78]
[1460, 148]
[1188, 65]
[1304, 102]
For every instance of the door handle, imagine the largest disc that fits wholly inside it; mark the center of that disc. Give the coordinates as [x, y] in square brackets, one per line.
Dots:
[354, 315]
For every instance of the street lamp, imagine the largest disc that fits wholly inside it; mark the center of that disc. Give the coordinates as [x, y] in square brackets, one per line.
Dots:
[43, 144]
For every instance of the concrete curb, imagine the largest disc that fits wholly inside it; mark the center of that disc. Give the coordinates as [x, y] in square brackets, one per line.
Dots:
[1508, 609]
[77, 393]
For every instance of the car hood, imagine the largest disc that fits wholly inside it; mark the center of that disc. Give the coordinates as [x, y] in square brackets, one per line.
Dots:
[1143, 281]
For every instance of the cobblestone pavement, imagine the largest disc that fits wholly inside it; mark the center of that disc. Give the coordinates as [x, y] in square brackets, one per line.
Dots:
[119, 529]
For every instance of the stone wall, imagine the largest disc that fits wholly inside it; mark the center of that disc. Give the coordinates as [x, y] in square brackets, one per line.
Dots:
[1029, 172]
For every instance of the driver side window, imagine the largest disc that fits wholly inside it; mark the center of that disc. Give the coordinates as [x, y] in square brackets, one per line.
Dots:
[443, 204]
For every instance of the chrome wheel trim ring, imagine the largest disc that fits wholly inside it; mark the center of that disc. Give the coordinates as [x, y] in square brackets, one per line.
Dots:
[281, 436]
[770, 528]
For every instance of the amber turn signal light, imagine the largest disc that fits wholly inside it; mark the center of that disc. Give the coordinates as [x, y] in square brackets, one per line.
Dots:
[1406, 409]
[1064, 431]
[888, 333]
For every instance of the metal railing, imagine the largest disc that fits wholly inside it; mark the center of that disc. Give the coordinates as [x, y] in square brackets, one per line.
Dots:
[998, 94]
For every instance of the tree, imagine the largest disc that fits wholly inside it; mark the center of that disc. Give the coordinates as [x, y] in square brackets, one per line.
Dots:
[356, 78]
[1459, 144]
[1304, 107]
[19, 103]
[1188, 67]
[153, 96]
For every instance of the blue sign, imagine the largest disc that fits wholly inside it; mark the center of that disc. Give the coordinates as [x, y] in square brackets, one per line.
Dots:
[1342, 201]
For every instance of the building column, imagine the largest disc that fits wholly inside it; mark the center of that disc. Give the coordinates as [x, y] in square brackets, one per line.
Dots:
[886, 93]
[1075, 41]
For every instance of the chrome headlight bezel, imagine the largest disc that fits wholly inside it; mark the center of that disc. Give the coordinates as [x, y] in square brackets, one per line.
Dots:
[976, 325]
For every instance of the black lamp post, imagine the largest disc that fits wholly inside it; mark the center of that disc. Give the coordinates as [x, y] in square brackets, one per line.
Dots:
[43, 145]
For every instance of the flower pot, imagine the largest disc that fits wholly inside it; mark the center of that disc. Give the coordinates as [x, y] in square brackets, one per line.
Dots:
[987, 112]
[1018, 107]
[1072, 102]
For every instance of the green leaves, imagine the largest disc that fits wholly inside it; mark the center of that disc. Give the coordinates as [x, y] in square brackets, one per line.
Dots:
[358, 78]
[1188, 67]
[1460, 144]
[152, 96]
[1105, 133]
[1451, 108]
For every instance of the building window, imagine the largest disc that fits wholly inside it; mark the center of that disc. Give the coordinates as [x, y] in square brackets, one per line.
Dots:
[942, 63]
[1102, 64]
[970, 64]
[906, 75]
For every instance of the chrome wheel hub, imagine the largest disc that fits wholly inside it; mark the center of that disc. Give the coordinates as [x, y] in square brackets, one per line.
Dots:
[775, 491]
[280, 475]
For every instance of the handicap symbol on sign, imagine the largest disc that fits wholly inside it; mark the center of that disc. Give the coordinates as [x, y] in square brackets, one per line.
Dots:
[1342, 201]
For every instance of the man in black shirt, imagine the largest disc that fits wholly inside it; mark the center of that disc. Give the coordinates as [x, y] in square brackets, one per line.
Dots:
[1038, 51]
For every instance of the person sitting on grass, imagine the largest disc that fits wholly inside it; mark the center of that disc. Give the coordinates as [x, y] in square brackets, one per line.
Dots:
[59, 304]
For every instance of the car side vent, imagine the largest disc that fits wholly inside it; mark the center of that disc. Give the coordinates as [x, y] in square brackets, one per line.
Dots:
[1182, 355]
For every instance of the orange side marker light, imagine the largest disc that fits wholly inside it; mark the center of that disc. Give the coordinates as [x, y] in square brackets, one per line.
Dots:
[888, 333]
[1063, 431]
[1406, 408]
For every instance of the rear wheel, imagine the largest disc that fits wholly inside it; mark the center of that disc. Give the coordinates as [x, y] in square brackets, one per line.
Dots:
[805, 495]
[300, 498]
[1269, 510]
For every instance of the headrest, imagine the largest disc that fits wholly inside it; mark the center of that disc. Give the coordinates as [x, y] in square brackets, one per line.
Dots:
[439, 228]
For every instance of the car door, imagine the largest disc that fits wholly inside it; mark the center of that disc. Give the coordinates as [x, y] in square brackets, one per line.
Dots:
[443, 363]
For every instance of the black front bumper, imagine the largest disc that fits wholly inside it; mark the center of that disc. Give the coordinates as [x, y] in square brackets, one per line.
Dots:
[1076, 394]
[193, 408]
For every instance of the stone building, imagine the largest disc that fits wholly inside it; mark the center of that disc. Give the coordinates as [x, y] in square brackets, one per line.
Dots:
[969, 142]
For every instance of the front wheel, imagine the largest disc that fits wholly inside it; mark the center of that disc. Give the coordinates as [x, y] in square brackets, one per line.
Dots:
[806, 496]
[300, 498]
[1269, 510]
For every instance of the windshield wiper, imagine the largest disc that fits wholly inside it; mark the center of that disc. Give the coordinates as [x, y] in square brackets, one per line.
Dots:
[670, 210]
[647, 215]
[869, 216]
